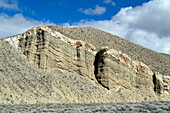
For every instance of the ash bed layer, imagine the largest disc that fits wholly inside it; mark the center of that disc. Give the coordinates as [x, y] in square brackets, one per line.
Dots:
[138, 107]
[52, 64]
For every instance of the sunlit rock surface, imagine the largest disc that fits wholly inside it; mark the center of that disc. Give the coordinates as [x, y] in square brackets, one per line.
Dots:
[52, 64]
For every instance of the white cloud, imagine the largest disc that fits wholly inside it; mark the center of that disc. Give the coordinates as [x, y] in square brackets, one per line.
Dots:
[146, 25]
[17, 24]
[97, 11]
[9, 4]
[109, 2]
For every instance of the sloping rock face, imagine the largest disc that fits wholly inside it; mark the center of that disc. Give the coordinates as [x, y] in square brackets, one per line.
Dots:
[49, 67]
[157, 62]
[116, 71]
[47, 52]
[120, 70]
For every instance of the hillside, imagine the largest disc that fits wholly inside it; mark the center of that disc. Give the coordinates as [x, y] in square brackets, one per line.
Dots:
[156, 61]
[52, 64]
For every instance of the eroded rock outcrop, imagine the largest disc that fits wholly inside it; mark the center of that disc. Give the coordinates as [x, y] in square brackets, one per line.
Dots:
[112, 75]
[115, 68]
[158, 83]
[166, 82]
[49, 49]
[161, 86]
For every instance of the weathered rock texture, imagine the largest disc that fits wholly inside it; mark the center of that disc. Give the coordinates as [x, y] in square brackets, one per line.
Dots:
[46, 65]
[155, 61]
[51, 50]
[113, 67]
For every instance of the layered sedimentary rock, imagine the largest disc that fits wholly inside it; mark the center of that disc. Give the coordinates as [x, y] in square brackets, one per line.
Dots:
[117, 72]
[157, 62]
[49, 50]
[21, 82]
[115, 68]
[63, 69]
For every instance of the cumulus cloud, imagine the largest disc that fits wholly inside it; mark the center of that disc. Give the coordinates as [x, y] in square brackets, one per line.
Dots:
[12, 25]
[146, 25]
[109, 2]
[9, 4]
[98, 10]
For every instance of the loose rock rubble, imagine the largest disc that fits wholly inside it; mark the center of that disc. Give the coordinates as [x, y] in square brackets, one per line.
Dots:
[138, 107]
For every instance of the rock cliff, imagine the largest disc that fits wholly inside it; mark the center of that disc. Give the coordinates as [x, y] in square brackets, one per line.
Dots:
[49, 64]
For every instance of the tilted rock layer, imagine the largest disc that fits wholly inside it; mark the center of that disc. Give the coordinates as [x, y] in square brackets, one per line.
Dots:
[45, 65]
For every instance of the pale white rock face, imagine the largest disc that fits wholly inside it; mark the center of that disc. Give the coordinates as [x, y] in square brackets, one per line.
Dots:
[166, 82]
[14, 40]
[74, 43]
[166, 77]
[124, 58]
[139, 66]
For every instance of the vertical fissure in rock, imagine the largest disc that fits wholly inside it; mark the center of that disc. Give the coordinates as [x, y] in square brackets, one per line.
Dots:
[96, 62]
[157, 84]
[38, 57]
[43, 38]
[154, 82]
[78, 60]
[78, 53]
[38, 37]
[98, 67]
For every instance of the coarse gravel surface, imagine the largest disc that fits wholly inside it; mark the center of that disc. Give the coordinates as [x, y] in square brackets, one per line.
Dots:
[136, 107]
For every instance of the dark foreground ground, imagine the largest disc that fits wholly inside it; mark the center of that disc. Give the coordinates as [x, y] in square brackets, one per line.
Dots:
[143, 107]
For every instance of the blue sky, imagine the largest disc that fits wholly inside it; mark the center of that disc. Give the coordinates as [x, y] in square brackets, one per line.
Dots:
[63, 11]
[144, 22]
